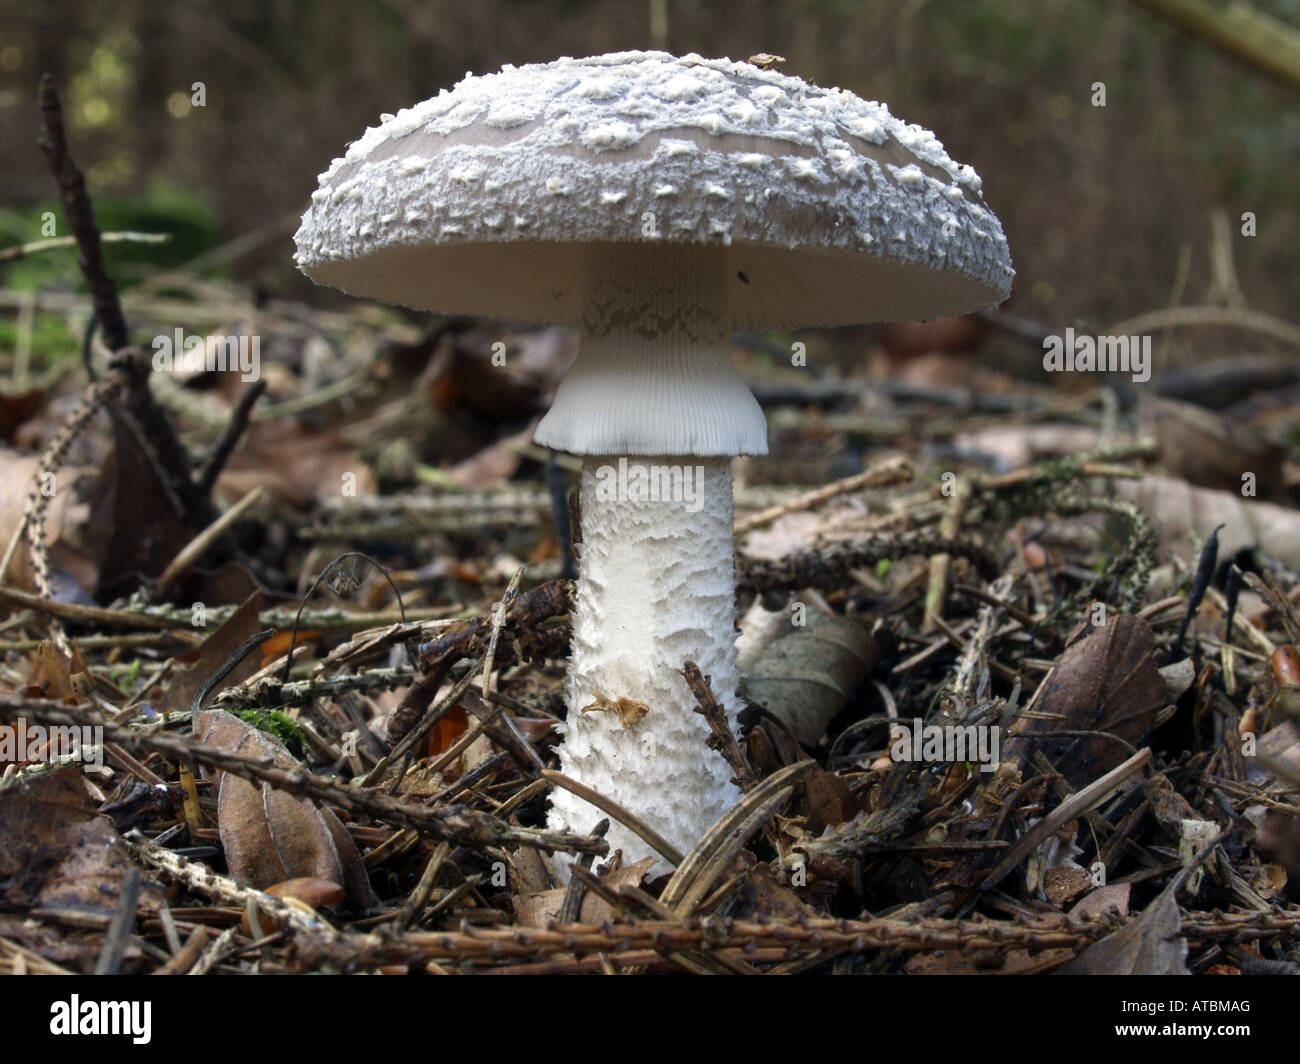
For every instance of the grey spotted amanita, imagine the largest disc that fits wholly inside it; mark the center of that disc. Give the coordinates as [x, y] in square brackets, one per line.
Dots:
[658, 203]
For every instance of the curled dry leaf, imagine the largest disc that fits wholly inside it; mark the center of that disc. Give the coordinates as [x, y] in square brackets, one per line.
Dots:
[1106, 681]
[310, 894]
[270, 835]
[50, 676]
[1269, 881]
[213, 653]
[1063, 885]
[805, 678]
[1149, 945]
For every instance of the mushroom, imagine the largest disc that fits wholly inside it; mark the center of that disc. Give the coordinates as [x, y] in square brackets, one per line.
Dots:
[659, 203]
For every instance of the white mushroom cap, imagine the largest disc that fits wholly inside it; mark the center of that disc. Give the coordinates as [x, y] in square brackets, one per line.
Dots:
[484, 199]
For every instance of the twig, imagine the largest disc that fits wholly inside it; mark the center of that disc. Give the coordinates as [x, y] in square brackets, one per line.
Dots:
[721, 738]
[941, 563]
[19, 251]
[32, 524]
[119, 928]
[196, 547]
[721, 837]
[1253, 37]
[629, 820]
[1235, 317]
[410, 912]
[214, 953]
[1091, 796]
[270, 692]
[891, 471]
[571, 906]
[230, 436]
[164, 618]
[422, 728]
[499, 613]
[757, 813]
[621, 900]
[227, 667]
[324, 573]
[188, 955]
[828, 566]
[1205, 567]
[488, 945]
[80, 216]
[131, 368]
[529, 640]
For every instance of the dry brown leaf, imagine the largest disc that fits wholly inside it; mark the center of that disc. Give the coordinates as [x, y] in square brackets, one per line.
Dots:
[1148, 945]
[50, 676]
[539, 909]
[1112, 898]
[138, 530]
[528, 872]
[62, 514]
[1269, 881]
[825, 800]
[786, 535]
[1062, 885]
[58, 853]
[213, 653]
[492, 466]
[297, 465]
[1187, 515]
[628, 711]
[1211, 450]
[270, 835]
[805, 678]
[1105, 681]
[763, 896]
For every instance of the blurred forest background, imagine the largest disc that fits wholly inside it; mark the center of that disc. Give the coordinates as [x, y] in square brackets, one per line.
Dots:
[1107, 208]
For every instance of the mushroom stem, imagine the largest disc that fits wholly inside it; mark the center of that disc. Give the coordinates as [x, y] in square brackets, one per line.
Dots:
[656, 588]
[656, 405]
